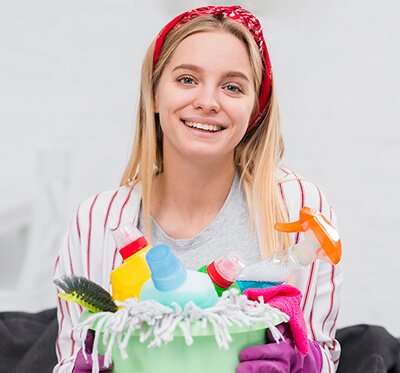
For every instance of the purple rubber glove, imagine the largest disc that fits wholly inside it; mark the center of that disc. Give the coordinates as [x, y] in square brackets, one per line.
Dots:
[282, 357]
[85, 366]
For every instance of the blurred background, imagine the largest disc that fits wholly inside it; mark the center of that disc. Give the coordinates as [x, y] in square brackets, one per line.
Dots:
[69, 84]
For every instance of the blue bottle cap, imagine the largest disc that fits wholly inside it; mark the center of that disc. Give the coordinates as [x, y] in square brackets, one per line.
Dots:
[167, 271]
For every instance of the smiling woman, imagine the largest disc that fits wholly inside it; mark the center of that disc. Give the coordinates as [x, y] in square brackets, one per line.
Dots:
[202, 93]
[205, 177]
[209, 71]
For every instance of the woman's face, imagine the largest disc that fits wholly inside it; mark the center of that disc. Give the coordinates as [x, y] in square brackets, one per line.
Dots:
[205, 96]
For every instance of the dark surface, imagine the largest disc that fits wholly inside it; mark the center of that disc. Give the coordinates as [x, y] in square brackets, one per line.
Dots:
[27, 342]
[368, 349]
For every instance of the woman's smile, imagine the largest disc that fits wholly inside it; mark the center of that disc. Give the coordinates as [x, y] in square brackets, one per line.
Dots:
[203, 128]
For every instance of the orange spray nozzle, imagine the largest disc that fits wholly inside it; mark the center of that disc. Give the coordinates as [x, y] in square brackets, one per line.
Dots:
[323, 230]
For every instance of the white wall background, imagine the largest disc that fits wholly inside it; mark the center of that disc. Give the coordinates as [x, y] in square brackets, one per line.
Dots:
[69, 75]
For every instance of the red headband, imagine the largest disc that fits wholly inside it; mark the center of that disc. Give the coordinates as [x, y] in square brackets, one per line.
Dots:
[237, 13]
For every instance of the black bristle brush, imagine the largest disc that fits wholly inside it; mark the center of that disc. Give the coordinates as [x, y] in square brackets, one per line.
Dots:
[86, 293]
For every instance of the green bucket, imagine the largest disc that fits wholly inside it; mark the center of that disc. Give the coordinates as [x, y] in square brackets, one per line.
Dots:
[177, 357]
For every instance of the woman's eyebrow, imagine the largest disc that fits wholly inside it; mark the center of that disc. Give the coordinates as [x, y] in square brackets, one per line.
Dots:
[188, 66]
[229, 74]
[236, 74]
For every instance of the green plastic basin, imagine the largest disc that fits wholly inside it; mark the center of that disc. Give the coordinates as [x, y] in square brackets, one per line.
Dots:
[203, 355]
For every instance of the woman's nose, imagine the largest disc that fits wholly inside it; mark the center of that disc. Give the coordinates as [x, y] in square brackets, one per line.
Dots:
[206, 100]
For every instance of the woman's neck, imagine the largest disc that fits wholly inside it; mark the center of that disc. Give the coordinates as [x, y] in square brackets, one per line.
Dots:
[190, 194]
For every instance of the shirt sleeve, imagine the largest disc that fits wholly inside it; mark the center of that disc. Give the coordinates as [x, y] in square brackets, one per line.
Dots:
[85, 251]
[319, 282]
[68, 314]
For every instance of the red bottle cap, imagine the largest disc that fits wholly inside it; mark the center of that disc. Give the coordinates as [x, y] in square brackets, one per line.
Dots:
[133, 247]
[217, 278]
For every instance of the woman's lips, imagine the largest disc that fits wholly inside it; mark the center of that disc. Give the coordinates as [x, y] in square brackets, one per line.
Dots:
[201, 132]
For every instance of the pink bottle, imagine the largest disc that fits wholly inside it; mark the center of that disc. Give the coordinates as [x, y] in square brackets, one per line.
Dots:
[223, 272]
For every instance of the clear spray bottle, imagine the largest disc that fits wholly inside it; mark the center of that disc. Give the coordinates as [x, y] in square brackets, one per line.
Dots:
[321, 241]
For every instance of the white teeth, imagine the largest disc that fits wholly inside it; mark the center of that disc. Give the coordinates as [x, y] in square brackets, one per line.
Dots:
[203, 126]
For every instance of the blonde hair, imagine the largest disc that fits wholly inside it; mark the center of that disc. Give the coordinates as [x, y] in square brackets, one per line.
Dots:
[256, 157]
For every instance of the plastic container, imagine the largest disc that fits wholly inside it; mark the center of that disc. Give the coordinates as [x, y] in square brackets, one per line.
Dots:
[223, 272]
[128, 279]
[263, 274]
[175, 356]
[171, 283]
[321, 241]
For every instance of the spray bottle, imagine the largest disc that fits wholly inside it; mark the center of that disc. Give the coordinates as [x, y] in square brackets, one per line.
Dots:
[321, 241]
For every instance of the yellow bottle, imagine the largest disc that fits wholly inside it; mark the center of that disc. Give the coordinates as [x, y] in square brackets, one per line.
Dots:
[127, 280]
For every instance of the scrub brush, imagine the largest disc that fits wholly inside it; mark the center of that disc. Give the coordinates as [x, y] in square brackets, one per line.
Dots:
[86, 293]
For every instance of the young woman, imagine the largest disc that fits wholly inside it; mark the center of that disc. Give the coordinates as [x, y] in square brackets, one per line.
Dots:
[204, 175]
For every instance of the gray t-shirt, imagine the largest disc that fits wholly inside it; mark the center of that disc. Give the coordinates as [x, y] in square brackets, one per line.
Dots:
[228, 232]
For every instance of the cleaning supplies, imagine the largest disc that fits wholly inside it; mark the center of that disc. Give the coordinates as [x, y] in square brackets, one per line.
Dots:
[263, 274]
[86, 293]
[171, 283]
[321, 241]
[128, 279]
[223, 272]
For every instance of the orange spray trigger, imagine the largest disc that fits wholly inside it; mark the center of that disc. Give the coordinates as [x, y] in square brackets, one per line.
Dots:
[326, 235]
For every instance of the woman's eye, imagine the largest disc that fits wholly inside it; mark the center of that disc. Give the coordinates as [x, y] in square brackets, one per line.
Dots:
[187, 80]
[233, 88]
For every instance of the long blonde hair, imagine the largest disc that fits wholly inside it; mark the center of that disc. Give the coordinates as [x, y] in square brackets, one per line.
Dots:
[256, 157]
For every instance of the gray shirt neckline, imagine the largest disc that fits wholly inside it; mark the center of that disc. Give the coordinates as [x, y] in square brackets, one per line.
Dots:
[201, 237]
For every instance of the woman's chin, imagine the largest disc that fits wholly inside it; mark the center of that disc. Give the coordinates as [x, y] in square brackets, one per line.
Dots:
[206, 156]
[200, 152]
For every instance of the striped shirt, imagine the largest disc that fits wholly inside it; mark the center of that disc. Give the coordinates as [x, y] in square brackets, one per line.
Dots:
[88, 249]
